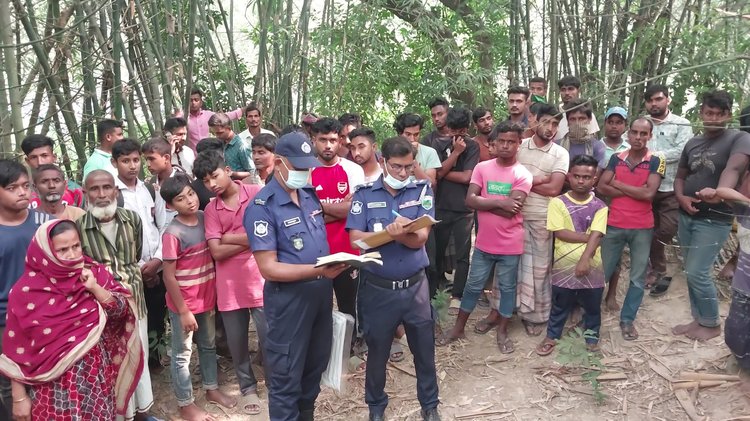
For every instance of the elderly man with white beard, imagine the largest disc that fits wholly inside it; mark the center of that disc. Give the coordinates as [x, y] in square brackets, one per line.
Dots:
[114, 237]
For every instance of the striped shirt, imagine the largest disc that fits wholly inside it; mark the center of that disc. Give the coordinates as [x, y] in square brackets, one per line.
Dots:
[121, 258]
[194, 267]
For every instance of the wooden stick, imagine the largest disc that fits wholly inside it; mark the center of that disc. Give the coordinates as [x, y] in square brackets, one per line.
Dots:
[693, 376]
[601, 377]
[661, 370]
[475, 414]
[684, 398]
[699, 384]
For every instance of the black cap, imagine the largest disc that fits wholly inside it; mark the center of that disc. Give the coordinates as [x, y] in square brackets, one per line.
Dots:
[296, 148]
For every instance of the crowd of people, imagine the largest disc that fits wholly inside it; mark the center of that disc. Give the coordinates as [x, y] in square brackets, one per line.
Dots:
[235, 223]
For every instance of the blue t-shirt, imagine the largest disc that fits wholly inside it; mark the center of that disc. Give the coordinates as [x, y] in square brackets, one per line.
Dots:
[599, 150]
[15, 242]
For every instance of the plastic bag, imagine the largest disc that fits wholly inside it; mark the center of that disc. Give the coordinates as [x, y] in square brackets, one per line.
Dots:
[343, 328]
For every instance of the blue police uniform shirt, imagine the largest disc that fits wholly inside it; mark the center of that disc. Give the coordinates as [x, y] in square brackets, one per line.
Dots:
[371, 211]
[274, 222]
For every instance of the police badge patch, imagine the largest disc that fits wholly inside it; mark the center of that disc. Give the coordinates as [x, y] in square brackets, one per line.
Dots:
[427, 202]
[306, 147]
[356, 207]
[261, 228]
[297, 243]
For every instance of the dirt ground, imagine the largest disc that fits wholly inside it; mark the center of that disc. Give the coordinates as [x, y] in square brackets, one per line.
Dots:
[478, 383]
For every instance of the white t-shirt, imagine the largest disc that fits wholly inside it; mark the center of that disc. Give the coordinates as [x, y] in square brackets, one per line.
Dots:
[185, 159]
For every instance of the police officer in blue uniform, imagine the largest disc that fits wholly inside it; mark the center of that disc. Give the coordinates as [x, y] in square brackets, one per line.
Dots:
[397, 292]
[287, 234]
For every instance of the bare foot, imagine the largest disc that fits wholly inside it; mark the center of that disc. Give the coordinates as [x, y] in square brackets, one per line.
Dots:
[703, 333]
[218, 397]
[683, 329]
[727, 272]
[651, 279]
[193, 412]
[452, 336]
[504, 343]
[532, 329]
[611, 305]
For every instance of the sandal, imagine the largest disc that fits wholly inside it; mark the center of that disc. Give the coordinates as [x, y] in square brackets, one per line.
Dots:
[628, 331]
[483, 326]
[505, 345]
[357, 365]
[546, 347]
[660, 287]
[532, 329]
[250, 403]
[454, 306]
[397, 352]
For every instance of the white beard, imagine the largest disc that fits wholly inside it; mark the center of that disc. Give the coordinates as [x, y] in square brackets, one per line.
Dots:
[103, 212]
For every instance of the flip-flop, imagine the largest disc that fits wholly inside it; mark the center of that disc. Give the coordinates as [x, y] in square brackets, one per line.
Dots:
[660, 287]
[397, 352]
[454, 306]
[628, 331]
[250, 404]
[483, 326]
[545, 348]
[505, 346]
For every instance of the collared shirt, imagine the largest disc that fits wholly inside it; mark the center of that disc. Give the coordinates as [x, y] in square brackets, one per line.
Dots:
[372, 210]
[140, 201]
[669, 138]
[120, 257]
[297, 233]
[623, 146]
[247, 137]
[99, 160]
[524, 121]
[185, 159]
[237, 156]
[73, 195]
[626, 212]
[547, 160]
[197, 128]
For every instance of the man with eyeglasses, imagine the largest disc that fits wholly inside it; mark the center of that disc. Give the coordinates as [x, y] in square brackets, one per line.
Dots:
[396, 293]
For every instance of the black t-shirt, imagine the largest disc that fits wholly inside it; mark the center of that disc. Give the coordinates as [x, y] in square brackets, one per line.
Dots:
[451, 196]
[204, 195]
[705, 160]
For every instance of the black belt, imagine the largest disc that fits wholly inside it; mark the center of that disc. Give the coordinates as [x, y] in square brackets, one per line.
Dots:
[393, 284]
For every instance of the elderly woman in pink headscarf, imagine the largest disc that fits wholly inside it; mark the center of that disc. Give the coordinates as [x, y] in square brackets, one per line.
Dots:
[70, 347]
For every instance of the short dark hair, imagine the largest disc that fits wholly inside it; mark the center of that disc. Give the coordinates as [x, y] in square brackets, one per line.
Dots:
[519, 90]
[534, 107]
[206, 163]
[264, 140]
[652, 90]
[63, 226]
[353, 119]
[252, 107]
[584, 160]
[458, 118]
[174, 123]
[478, 113]
[158, 145]
[647, 120]
[196, 91]
[10, 172]
[209, 144]
[720, 99]
[537, 79]
[290, 128]
[173, 186]
[569, 81]
[396, 147]
[219, 120]
[506, 127]
[47, 167]
[436, 102]
[326, 125]
[579, 105]
[125, 147]
[36, 141]
[106, 127]
[405, 120]
[547, 109]
[363, 131]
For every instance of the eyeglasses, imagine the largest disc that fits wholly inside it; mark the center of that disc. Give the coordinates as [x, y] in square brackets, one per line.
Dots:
[398, 168]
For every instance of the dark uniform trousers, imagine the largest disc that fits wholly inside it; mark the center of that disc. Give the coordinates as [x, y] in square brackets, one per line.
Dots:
[156, 306]
[382, 310]
[298, 343]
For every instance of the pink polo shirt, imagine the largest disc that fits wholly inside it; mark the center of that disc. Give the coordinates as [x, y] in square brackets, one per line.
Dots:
[238, 280]
[197, 128]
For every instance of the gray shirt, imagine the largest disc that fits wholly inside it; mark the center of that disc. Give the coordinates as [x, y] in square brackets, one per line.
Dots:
[669, 138]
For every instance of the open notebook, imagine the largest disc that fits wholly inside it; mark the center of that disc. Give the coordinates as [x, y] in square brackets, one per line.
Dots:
[350, 259]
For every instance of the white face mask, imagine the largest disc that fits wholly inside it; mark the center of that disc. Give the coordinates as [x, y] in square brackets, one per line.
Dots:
[296, 179]
[392, 181]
